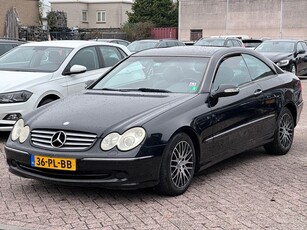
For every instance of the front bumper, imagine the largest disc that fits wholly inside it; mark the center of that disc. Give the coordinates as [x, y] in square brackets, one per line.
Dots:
[12, 108]
[123, 173]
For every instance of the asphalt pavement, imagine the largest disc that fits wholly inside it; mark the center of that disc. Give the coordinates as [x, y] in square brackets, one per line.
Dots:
[250, 191]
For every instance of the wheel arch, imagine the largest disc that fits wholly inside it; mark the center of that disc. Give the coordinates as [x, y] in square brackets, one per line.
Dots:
[293, 111]
[194, 137]
[49, 96]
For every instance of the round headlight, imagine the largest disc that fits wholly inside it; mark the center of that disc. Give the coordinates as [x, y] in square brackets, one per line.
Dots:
[109, 141]
[24, 133]
[131, 138]
[17, 129]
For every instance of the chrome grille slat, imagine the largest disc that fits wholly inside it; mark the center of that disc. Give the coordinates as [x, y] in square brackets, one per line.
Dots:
[74, 140]
[44, 132]
[42, 136]
[41, 140]
[79, 139]
[80, 144]
[80, 135]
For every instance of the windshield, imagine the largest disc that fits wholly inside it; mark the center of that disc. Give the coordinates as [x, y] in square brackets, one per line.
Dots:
[210, 42]
[34, 59]
[156, 74]
[276, 47]
[141, 45]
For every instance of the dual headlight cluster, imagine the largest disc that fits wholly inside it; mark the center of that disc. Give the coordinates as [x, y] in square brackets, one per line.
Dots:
[20, 131]
[125, 142]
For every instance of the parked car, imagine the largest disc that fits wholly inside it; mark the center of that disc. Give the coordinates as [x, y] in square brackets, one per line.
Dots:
[116, 41]
[289, 55]
[220, 42]
[37, 73]
[139, 45]
[159, 117]
[7, 44]
[251, 43]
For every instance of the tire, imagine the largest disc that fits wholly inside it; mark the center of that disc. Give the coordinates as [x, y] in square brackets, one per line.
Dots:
[284, 134]
[177, 167]
[45, 101]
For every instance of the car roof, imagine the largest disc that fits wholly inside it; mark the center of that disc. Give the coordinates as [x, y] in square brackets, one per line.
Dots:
[67, 43]
[181, 51]
[155, 40]
[220, 38]
[12, 41]
[75, 44]
[283, 40]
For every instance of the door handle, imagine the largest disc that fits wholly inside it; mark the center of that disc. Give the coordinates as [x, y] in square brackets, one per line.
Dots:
[257, 92]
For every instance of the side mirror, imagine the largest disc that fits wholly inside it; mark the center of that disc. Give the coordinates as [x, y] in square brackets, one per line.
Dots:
[225, 91]
[75, 69]
[301, 52]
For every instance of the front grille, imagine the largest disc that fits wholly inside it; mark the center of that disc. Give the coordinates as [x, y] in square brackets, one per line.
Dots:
[74, 140]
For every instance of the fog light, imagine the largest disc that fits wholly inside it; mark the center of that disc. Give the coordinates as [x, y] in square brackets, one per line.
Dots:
[12, 117]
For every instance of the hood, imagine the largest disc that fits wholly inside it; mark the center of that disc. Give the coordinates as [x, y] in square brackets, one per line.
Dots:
[16, 80]
[103, 112]
[276, 57]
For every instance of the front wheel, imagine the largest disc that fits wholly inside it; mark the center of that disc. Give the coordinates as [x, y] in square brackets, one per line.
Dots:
[177, 167]
[284, 134]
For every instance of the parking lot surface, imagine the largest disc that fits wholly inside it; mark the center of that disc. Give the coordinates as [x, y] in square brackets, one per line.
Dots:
[250, 191]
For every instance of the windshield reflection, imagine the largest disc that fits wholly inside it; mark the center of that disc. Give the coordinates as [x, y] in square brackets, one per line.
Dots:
[34, 59]
[156, 74]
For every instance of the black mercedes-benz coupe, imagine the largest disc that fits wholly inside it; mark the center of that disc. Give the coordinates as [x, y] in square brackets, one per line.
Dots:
[289, 55]
[159, 117]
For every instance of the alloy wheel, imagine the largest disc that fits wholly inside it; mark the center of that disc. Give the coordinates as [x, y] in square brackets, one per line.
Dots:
[286, 130]
[181, 165]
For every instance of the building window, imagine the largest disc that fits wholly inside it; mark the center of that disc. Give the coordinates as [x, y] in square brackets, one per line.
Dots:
[196, 35]
[84, 16]
[101, 16]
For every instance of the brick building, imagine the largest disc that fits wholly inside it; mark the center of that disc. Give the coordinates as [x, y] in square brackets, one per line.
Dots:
[27, 12]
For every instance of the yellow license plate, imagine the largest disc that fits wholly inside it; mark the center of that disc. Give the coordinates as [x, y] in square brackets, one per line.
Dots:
[53, 163]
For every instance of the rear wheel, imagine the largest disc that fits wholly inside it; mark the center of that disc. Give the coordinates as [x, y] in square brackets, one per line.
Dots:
[284, 134]
[178, 166]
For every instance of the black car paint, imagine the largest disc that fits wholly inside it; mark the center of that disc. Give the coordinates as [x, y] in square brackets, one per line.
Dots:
[298, 58]
[218, 130]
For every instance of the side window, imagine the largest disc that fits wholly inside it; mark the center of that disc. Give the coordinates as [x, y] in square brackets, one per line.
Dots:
[236, 43]
[111, 55]
[5, 47]
[232, 70]
[162, 44]
[229, 43]
[304, 46]
[171, 43]
[86, 57]
[299, 47]
[257, 68]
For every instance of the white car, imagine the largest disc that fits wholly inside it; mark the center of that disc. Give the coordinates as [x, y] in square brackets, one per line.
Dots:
[37, 73]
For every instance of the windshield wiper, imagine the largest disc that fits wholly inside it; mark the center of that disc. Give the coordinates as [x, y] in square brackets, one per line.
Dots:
[153, 90]
[139, 89]
[113, 89]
